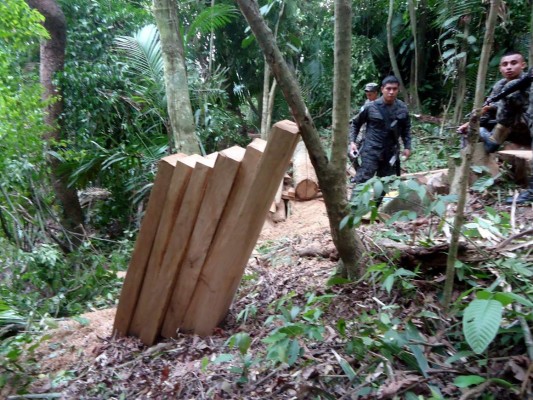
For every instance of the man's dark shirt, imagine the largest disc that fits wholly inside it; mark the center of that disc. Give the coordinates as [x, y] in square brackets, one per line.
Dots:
[378, 132]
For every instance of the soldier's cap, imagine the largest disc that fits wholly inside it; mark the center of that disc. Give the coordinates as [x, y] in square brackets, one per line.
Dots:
[371, 87]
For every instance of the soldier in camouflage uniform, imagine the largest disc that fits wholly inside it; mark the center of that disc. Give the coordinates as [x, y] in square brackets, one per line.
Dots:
[371, 93]
[387, 120]
[508, 118]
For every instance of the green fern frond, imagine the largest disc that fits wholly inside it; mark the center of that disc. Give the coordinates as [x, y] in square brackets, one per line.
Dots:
[215, 17]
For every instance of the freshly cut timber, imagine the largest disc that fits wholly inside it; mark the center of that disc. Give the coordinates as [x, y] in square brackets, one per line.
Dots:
[143, 246]
[303, 174]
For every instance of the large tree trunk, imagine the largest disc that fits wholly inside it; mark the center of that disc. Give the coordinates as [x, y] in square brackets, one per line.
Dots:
[390, 48]
[177, 89]
[331, 175]
[52, 60]
[473, 132]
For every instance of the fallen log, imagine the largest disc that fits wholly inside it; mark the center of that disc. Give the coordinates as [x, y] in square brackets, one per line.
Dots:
[304, 176]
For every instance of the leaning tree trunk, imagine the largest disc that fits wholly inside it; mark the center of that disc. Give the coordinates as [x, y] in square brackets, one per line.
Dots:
[331, 175]
[176, 85]
[390, 48]
[52, 60]
[473, 132]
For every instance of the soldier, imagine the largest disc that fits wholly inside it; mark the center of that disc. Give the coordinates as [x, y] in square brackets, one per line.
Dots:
[387, 120]
[506, 119]
[526, 196]
[371, 93]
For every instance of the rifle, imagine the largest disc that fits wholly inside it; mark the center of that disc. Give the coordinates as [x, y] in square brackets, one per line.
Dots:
[519, 84]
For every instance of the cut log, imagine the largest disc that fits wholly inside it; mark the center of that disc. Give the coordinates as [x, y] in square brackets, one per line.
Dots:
[239, 228]
[281, 212]
[303, 173]
[163, 267]
[289, 194]
[143, 245]
[215, 199]
[520, 161]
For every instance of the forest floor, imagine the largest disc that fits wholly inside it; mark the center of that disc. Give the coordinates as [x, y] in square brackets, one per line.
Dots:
[79, 359]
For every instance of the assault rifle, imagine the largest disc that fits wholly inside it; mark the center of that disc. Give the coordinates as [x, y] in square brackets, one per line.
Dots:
[519, 84]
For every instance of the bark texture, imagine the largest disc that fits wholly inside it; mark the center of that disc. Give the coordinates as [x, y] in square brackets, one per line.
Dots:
[177, 89]
[331, 179]
[52, 60]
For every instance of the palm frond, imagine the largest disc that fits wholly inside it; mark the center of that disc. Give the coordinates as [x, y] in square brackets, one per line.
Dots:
[143, 52]
[215, 17]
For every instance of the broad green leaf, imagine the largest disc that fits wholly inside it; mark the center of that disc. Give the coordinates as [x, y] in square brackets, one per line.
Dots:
[291, 330]
[346, 367]
[464, 381]
[293, 352]
[221, 358]
[481, 321]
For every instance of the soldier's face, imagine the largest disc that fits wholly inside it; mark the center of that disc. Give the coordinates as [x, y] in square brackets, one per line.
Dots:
[511, 66]
[371, 95]
[390, 92]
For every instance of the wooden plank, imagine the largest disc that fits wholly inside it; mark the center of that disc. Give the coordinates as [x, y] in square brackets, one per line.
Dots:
[237, 197]
[520, 161]
[508, 154]
[238, 231]
[170, 208]
[161, 273]
[143, 245]
[218, 189]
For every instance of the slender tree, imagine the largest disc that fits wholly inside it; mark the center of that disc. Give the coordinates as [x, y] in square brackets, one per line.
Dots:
[331, 173]
[460, 91]
[390, 48]
[52, 60]
[473, 132]
[416, 60]
[177, 89]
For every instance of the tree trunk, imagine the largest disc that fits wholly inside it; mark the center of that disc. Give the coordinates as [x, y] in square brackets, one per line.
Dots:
[416, 59]
[530, 58]
[52, 60]
[177, 89]
[269, 93]
[390, 48]
[473, 132]
[461, 73]
[264, 108]
[331, 175]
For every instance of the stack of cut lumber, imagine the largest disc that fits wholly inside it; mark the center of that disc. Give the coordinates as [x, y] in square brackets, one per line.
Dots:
[202, 221]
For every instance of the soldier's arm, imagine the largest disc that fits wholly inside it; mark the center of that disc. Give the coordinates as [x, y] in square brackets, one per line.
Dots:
[356, 124]
[406, 137]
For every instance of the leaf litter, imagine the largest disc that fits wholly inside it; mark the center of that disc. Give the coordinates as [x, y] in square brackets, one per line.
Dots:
[366, 351]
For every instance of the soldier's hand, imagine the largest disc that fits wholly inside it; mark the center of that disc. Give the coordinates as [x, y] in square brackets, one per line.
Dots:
[353, 148]
[406, 153]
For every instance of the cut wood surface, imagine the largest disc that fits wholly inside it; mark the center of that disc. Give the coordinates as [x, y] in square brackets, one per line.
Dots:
[216, 195]
[143, 246]
[239, 229]
[227, 225]
[303, 174]
[520, 160]
[162, 273]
